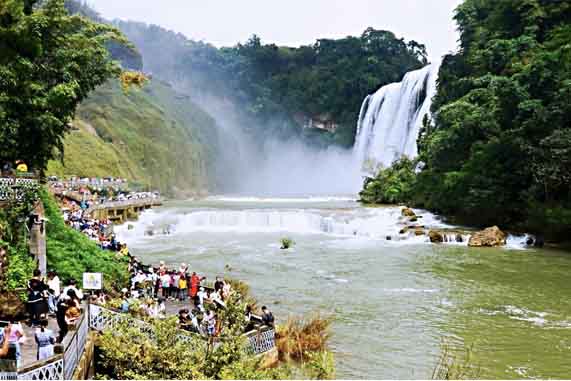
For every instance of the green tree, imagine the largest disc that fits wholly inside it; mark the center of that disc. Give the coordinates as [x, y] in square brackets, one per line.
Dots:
[498, 148]
[49, 62]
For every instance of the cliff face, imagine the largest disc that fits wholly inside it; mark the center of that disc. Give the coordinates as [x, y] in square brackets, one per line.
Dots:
[152, 136]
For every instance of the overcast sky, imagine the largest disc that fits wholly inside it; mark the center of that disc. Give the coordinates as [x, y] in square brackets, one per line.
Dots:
[293, 22]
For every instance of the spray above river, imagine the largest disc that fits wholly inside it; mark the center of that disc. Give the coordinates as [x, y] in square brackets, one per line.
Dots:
[390, 120]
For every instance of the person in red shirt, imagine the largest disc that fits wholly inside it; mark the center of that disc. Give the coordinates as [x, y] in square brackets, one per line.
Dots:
[194, 286]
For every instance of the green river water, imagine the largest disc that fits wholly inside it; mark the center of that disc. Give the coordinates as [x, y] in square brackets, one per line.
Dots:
[392, 302]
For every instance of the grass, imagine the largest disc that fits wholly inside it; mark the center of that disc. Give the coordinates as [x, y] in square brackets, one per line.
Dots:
[297, 339]
[150, 136]
[71, 253]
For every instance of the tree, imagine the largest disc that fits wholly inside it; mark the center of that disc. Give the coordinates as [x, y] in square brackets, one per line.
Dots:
[497, 151]
[49, 62]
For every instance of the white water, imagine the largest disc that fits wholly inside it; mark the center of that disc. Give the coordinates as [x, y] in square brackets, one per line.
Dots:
[390, 120]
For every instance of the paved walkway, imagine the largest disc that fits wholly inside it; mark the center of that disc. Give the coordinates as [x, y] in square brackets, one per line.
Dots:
[30, 348]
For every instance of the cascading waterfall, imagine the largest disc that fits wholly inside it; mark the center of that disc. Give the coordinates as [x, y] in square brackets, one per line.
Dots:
[390, 120]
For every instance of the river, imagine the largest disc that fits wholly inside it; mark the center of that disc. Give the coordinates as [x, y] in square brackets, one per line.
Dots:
[392, 301]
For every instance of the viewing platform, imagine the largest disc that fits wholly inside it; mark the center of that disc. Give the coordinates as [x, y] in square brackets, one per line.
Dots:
[73, 359]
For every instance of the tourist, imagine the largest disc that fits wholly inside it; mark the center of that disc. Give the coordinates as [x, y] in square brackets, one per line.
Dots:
[210, 322]
[175, 277]
[61, 310]
[165, 284]
[267, 317]
[226, 290]
[202, 296]
[45, 340]
[4, 339]
[184, 320]
[21, 166]
[125, 303]
[194, 286]
[162, 268]
[54, 290]
[183, 268]
[73, 313]
[219, 284]
[216, 298]
[72, 285]
[100, 298]
[182, 287]
[37, 305]
[16, 338]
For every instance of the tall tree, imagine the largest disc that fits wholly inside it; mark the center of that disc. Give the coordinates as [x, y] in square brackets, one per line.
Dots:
[49, 62]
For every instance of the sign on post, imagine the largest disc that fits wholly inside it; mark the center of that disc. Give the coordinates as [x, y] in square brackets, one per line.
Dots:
[92, 281]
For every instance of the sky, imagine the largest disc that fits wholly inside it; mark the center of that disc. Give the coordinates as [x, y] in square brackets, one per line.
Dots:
[293, 22]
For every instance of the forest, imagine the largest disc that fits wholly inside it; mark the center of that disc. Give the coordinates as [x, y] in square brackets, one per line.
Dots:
[498, 150]
[276, 88]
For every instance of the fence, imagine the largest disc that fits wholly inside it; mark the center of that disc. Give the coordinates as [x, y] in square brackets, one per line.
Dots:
[63, 366]
[101, 318]
[11, 188]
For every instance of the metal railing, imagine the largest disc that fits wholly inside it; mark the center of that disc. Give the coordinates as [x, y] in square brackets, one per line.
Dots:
[100, 319]
[12, 188]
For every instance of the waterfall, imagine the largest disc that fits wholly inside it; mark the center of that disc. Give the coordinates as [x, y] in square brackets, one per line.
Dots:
[390, 120]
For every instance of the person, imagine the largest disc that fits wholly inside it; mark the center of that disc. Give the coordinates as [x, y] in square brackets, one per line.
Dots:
[182, 287]
[62, 306]
[165, 283]
[210, 321]
[162, 268]
[4, 335]
[21, 167]
[37, 305]
[217, 299]
[72, 285]
[226, 290]
[183, 268]
[73, 312]
[45, 340]
[54, 290]
[16, 338]
[267, 317]
[219, 284]
[175, 277]
[194, 286]
[248, 317]
[184, 321]
[202, 295]
[125, 303]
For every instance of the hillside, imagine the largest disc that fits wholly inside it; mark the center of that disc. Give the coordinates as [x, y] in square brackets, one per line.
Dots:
[152, 136]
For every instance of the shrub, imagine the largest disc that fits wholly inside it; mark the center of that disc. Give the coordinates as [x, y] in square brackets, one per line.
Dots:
[298, 338]
[286, 243]
[393, 185]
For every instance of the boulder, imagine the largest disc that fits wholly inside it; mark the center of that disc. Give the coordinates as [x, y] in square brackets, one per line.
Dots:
[419, 232]
[489, 237]
[408, 212]
[435, 236]
[404, 230]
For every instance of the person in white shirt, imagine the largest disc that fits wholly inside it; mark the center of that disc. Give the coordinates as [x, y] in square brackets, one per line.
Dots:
[54, 290]
[202, 296]
[72, 286]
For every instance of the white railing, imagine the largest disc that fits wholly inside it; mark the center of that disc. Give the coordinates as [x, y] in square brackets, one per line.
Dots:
[11, 187]
[262, 341]
[74, 344]
[101, 319]
[52, 369]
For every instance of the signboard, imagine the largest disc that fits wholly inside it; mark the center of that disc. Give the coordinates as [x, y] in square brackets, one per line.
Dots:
[92, 281]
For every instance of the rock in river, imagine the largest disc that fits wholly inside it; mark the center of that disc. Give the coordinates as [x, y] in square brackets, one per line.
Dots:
[435, 236]
[408, 212]
[489, 237]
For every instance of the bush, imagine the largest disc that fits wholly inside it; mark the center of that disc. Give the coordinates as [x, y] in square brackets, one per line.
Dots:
[393, 185]
[298, 338]
[71, 253]
[286, 243]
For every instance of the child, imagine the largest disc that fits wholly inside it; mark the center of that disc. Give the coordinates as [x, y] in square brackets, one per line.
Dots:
[45, 340]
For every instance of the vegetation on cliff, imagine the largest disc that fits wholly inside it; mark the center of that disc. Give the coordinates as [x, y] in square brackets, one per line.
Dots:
[276, 88]
[72, 253]
[499, 148]
[49, 62]
[152, 136]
